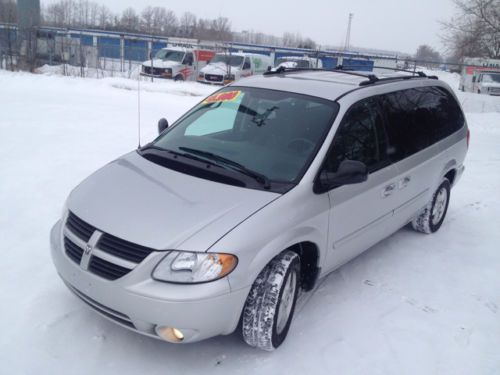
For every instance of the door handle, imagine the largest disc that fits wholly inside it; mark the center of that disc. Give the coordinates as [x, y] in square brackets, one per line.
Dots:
[388, 190]
[404, 182]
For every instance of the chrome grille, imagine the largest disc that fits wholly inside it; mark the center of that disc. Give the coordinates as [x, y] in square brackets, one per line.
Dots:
[106, 269]
[79, 227]
[73, 251]
[100, 253]
[213, 77]
[123, 249]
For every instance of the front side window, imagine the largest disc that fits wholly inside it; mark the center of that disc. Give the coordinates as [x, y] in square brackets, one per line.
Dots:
[360, 137]
[273, 133]
[491, 78]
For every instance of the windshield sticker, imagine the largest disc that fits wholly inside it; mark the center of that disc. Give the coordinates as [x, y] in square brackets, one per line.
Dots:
[228, 96]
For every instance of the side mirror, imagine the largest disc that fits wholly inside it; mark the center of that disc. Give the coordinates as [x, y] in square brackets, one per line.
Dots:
[162, 125]
[349, 172]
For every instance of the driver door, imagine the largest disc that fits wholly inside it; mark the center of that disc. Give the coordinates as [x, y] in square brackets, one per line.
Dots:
[360, 214]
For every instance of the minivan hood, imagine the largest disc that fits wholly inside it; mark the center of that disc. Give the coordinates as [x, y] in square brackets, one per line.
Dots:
[147, 204]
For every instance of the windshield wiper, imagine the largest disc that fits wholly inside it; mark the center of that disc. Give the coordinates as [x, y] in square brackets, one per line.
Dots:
[183, 154]
[262, 179]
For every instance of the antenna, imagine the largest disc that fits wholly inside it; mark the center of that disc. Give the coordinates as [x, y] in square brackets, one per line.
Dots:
[139, 111]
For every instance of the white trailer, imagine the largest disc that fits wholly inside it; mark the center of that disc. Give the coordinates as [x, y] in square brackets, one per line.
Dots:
[481, 76]
[177, 63]
[225, 68]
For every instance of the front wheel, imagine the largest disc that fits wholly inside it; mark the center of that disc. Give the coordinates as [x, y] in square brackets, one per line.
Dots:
[432, 217]
[178, 78]
[271, 302]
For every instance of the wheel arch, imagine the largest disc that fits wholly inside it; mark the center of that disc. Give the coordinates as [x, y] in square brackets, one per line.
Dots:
[309, 255]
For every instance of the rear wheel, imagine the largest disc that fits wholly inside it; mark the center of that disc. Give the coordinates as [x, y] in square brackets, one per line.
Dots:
[271, 302]
[432, 217]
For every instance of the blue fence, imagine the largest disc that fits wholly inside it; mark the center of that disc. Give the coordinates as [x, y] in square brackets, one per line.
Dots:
[136, 50]
[109, 47]
[360, 65]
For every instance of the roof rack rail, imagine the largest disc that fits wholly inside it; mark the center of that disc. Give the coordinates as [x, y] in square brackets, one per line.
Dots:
[371, 78]
[283, 69]
[414, 72]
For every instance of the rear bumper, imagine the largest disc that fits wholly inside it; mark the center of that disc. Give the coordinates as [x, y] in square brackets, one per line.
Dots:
[139, 303]
[460, 172]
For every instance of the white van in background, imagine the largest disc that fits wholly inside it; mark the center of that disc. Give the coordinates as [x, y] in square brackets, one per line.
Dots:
[177, 63]
[298, 62]
[481, 76]
[225, 68]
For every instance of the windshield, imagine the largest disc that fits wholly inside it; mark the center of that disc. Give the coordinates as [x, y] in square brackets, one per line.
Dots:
[275, 134]
[292, 63]
[227, 59]
[165, 54]
[491, 78]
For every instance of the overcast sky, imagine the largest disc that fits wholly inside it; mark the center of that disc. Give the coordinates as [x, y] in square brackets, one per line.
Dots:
[400, 25]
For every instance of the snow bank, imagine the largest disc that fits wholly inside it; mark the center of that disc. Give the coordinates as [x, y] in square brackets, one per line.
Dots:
[413, 304]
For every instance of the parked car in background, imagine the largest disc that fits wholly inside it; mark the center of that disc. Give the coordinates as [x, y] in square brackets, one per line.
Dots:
[255, 194]
[177, 63]
[481, 76]
[225, 68]
[298, 62]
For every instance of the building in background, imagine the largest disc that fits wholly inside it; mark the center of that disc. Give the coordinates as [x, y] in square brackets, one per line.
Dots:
[28, 22]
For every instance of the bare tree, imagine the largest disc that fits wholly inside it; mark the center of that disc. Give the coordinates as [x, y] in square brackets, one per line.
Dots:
[8, 11]
[475, 29]
[104, 17]
[187, 25]
[129, 20]
[427, 53]
[147, 16]
[221, 29]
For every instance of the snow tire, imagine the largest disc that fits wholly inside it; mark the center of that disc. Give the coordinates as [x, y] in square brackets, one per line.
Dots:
[424, 222]
[260, 314]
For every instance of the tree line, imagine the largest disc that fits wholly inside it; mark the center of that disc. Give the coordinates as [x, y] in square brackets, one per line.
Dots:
[474, 31]
[150, 20]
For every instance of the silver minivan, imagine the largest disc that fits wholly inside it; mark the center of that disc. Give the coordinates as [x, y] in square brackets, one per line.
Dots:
[253, 195]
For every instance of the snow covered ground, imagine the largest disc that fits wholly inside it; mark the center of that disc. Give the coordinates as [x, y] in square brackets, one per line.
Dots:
[413, 304]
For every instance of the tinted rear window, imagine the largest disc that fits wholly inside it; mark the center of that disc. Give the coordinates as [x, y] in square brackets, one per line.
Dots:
[419, 117]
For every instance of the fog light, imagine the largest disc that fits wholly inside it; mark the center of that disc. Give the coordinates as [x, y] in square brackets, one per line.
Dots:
[170, 334]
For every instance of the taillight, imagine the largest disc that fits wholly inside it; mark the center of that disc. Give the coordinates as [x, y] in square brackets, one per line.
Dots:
[468, 137]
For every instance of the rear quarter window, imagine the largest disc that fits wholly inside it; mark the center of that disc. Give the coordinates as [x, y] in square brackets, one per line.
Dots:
[419, 117]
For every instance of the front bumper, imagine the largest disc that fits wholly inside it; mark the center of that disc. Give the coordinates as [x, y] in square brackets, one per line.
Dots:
[165, 76]
[140, 303]
[210, 82]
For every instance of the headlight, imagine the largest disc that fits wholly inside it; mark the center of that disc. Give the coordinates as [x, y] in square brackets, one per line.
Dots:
[190, 268]
[229, 77]
[201, 75]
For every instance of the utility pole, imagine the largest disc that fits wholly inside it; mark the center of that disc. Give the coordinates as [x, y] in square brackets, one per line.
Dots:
[348, 35]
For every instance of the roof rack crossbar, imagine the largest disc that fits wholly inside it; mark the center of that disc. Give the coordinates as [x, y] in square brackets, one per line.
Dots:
[283, 69]
[414, 72]
[371, 78]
